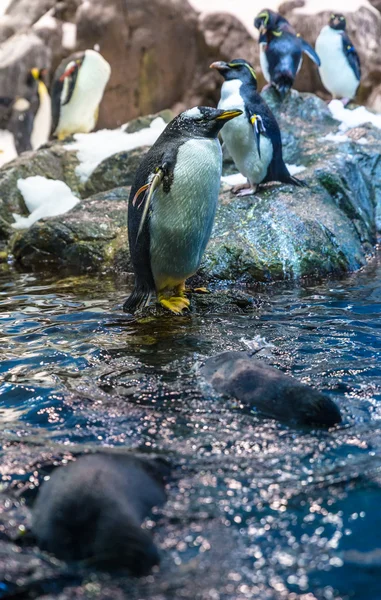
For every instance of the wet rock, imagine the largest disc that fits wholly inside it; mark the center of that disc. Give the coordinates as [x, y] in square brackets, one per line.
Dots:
[265, 388]
[93, 510]
[139, 40]
[80, 241]
[53, 162]
[364, 29]
[280, 233]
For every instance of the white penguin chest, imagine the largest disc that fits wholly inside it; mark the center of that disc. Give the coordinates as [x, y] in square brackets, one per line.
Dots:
[264, 62]
[335, 71]
[181, 220]
[239, 137]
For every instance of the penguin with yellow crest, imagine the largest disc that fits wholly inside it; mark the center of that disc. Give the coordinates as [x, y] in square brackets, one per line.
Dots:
[172, 205]
[253, 139]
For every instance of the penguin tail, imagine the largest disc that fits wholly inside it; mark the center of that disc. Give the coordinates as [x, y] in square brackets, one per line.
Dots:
[284, 84]
[139, 298]
[296, 181]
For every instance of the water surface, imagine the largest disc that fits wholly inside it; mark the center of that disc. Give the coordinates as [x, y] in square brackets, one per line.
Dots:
[256, 509]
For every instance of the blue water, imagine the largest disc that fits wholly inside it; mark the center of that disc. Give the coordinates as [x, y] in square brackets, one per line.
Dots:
[256, 509]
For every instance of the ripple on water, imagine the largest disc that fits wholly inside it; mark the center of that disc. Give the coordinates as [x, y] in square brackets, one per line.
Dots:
[256, 508]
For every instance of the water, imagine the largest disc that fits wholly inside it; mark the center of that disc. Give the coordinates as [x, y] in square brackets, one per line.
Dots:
[256, 509]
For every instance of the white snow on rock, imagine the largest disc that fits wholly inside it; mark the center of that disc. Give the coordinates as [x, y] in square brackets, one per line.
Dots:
[93, 148]
[353, 118]
[43, 198]
[337, 138]
[7, 147]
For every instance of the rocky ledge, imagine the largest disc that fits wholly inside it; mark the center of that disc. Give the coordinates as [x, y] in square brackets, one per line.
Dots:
[280, 233]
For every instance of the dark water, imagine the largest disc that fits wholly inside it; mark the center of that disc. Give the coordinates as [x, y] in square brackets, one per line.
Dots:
[256, 509]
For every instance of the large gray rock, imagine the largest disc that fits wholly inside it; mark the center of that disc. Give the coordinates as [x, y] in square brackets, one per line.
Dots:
[282, 232]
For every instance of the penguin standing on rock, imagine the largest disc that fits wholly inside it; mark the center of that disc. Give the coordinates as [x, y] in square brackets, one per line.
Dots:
[340, 64]
[253, 139]
[77, 92]
[281, 50]
[172, 205]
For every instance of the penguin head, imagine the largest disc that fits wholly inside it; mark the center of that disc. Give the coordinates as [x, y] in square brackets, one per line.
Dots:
[236, 69]
[202, 121]
[337, 22]
[268, 20]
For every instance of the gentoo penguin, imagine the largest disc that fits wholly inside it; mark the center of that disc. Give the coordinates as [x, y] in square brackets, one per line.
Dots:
[253, 139]
[77, 91]
[340, 64]
[29, 117]
[280, 50]
[172, 206]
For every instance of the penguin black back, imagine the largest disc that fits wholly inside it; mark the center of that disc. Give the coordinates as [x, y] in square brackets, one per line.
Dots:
[281, 50]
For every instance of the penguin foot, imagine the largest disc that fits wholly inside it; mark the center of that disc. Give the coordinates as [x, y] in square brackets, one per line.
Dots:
[175, 304]
[197, 290]
[246, 192]
[345, 101]
[241, 186]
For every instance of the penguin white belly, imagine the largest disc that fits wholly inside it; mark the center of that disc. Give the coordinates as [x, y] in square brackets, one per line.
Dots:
[335, 71]
[238, 135]
[42, 123]
[264, 62]
[80, 114]
[181, 220]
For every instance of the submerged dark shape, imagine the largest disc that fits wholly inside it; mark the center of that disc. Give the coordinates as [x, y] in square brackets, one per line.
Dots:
[266, 388]
[93, 510]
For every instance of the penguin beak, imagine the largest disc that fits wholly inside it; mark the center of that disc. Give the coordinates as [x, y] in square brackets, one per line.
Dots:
[227, 115]
[220, 65]
[35, 73]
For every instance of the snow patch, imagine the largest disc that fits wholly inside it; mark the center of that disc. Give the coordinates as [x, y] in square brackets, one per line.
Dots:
[353, 118]
[337, 138]
[7, 147]
[93, 148]
[43, 198]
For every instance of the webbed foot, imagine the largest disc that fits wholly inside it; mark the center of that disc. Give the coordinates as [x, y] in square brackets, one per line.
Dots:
[175, 304]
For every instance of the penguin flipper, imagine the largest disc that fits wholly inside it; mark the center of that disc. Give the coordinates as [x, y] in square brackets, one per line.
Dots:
[307, 49]
[352, 56]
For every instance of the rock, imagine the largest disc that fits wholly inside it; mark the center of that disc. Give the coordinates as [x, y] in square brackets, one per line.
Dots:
[265, 388]
[26, 13]
[225, 38]
[53, 162]
[376, 4]
[364, 29]
[280, 233]
[90, 238]
[93, 509]
[153, 49]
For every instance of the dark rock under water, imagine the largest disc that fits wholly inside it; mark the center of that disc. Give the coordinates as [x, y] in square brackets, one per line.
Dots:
[260, 386]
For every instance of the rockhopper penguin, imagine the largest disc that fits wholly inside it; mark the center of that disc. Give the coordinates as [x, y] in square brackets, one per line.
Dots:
[340, 64]
[253, 139]
[281, 50]
[172, 206]
[77, 92]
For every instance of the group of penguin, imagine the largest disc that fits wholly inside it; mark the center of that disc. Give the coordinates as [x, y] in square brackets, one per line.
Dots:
[71, 106]
[174, 197]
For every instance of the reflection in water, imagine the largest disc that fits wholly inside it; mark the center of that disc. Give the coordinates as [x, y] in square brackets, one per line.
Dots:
[256, 508]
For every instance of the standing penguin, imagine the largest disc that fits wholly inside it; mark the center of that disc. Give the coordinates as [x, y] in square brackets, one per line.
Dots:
[77, 92]
[253, 139]
[172, 206]
[280, 50]
[29, 117]
[340, 64]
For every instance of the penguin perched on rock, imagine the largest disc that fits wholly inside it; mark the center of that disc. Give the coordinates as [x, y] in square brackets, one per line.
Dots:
[77, 91]
[281, 50]
[340, 69]
[172, 205]
[253, 139]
